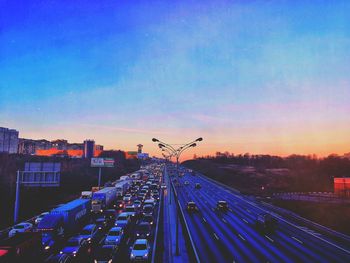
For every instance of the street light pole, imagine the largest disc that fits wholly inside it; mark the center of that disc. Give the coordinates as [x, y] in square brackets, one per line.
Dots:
[176, 152]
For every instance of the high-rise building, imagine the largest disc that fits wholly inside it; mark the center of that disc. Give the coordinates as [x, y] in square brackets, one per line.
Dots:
[8, 140]
[60, 144]
[89, 148]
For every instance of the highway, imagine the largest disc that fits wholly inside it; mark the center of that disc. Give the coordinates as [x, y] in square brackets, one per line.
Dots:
[233, 236]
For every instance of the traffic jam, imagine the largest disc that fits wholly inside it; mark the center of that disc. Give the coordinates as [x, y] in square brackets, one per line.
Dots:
[114, 224]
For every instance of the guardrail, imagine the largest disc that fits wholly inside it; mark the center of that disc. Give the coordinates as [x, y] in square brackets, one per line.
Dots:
[156, 255]
[192, 252]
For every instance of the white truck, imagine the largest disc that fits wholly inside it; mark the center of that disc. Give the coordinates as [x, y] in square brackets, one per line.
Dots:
[86, 195]
[122, 187]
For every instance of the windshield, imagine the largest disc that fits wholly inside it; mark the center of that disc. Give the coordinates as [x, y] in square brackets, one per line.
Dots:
[86, 232]
[114, 233]
[122, 218]
[140, 247]
[147, 209]
[19, 227]
[96, 202]
[143, 227]
[72, 243]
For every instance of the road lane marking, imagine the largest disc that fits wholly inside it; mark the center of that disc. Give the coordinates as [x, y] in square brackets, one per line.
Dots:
[241, 237]
[245, 220]
[248, 211]
[204, 220]
[217, 238]
[224, 220]
[269, 238]
[301, 242]
[230, 210]
[213, 209]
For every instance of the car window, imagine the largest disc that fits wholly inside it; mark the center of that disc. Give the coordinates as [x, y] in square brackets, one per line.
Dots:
[122, 218]
[114, 233]
[140, 247]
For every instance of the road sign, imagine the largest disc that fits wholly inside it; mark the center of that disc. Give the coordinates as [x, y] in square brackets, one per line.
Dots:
[102, 162]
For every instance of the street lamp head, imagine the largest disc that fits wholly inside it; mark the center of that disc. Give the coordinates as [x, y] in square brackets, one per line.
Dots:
[155, 140]
[193, 145]
[199, 139]
[161, 145]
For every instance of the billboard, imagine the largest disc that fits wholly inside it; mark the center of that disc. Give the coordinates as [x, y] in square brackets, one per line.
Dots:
[102, 162]
[143, 156]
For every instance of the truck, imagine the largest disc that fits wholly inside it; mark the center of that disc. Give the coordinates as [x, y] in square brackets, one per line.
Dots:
[124, 177]
[62, 222]
[122, 187]
[103, 198]
[23, 247]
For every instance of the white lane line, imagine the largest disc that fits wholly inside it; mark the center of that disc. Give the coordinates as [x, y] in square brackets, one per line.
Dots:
[301, 242]
[248, 211]
[230, 210]
[269, 238]
[245, 220]
[213, 209]
[241, 237]
[204, 220]
[217, 238]
[224, 220]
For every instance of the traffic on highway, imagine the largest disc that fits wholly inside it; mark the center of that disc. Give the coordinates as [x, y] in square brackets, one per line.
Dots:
[227, 227]
[114, 224]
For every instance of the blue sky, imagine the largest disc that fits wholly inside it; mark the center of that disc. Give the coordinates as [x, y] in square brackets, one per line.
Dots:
[248, 76]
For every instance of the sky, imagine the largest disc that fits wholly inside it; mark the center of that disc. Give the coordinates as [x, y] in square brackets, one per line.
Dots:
[264, 77]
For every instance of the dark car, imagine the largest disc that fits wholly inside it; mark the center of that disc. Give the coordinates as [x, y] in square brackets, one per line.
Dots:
[102, 222]
[90, 233]
[105, 253]
[266, 222]
[197, 186]
[147, 210]
[119, 205]
[148, 218]
[143, 230]
[192, 207]
[110, 214]
[76, 247]
[222, 206]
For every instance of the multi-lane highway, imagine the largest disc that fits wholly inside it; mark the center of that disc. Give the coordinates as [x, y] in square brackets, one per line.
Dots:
[232, 236]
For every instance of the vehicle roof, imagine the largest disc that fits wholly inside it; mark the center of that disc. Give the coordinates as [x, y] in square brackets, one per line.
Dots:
[191, 202]
[72, 204]
[123, 214]
[144, 223]
[116, 228]
[222, 201]
[90, 226]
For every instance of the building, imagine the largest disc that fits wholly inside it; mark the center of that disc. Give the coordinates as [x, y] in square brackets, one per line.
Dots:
[60, 144]
[89, 148]
[342, 186]
[26, 146]
[8, 140]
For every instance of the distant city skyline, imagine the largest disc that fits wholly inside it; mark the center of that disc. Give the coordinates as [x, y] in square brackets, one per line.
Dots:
[247, 76]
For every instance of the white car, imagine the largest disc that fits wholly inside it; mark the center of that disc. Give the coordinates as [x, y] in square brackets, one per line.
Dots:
[20, 228]
[40, 217]
[114, 236]
[140, 251]
[123, 220]
[127, 198]
[163, 186]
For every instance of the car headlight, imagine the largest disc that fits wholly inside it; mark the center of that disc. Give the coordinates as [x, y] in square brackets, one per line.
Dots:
[147, 234]
[47, 247]
[146, 255]
[132, 255]
[61, 252]
[137, 234]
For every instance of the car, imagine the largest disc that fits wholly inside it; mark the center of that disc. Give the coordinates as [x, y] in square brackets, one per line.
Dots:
[127, 198]
[103, 222]
[131, 210]
[59, 258]
[140, 251]
[114, 236]
[20, 228]
[186, 183]
[198, 186]
[110, 214]
[150, 201]
[147, 209]
[156, 196]
[90, 233]
[105, 254]
[163, 186]
[137, 204]
[123, 220]
[119, 205]
[148, 218]
[192, 207]
[40, 217]
[222, 206]
[143, 230]
[76, 247]
[266, 222]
